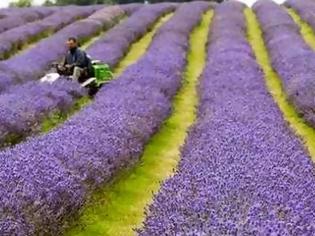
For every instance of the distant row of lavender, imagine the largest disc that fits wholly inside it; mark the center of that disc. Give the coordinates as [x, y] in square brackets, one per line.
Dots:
[15, 18]
[115, 44]
[47, 179]
[131, 8]
[242, 171]
[24, 107]
[32, 63]
[295, 64]
[10, 11]
[13, 39]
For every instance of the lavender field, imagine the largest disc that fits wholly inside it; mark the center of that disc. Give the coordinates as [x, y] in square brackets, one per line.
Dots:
[207, 127]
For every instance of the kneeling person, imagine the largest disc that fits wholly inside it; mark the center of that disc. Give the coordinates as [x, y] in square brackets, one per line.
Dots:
[76, 62]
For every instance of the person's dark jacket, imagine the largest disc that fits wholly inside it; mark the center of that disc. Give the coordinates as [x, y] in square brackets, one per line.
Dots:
[79, 58]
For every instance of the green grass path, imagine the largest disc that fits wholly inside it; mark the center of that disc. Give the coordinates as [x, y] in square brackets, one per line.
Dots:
[119, 208]
[274, 84]
[139, 48]
[306, 30]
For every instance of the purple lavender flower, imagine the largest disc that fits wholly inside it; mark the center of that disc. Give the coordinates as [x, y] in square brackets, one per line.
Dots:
[18, 18]
[24, 106]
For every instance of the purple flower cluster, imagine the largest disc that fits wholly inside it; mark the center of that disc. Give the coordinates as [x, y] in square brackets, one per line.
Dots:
[242, 171]
[18, 18]
[295, 64]
[46, 179]
[14, 39]
[115, 44]
[32, 63]
[23, 107]
[17, 11]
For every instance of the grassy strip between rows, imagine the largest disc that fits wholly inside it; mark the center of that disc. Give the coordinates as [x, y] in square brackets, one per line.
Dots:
[119, 208]
[306, 30]
[139, 48]
[135, 52]
[90, 41]
[20, 47]
[57, 117]
[274, 84]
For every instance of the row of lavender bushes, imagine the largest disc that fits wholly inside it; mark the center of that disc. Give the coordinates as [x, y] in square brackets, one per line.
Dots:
[295, 64]
[15, 38]
[47, 179]
[23, 107]
[13, 18]
[242, 171]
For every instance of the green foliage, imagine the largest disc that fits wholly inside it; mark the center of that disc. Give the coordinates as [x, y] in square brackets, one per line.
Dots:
[49, 3]
[21, 3]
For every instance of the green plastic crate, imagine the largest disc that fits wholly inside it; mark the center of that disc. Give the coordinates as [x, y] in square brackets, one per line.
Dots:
[102, 73]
